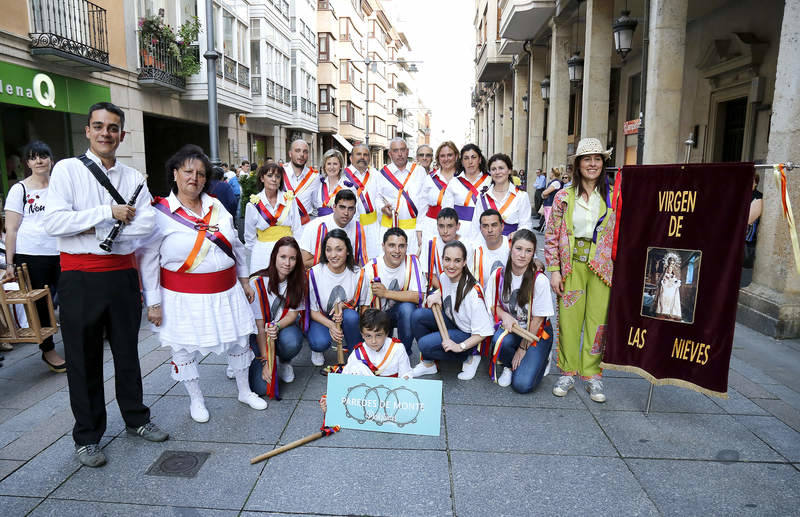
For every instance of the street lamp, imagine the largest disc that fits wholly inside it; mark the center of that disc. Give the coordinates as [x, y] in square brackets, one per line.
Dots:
[546, 88]
[575, 68]
[624, 27]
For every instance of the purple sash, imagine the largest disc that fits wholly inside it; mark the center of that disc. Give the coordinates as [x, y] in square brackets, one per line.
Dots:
[465, 213]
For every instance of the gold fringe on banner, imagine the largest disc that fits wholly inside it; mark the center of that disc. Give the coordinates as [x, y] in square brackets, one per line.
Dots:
[780, 179]
[664, 382]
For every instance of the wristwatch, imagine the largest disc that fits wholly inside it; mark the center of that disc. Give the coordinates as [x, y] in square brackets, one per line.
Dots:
[462, 346]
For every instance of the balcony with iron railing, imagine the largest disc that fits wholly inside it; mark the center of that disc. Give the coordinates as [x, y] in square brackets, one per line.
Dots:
[159, 66]
[70, 31]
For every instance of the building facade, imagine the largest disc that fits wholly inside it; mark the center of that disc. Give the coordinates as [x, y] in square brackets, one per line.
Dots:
[722, 72]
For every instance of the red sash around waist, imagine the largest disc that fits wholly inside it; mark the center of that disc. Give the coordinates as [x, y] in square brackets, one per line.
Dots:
[198, 283]
[90, 263]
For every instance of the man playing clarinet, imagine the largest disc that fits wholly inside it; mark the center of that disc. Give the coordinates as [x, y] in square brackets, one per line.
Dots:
[99, 290]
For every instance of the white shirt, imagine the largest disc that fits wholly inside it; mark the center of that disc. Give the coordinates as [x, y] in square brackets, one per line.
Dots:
[458, 195]
[398, 363]
[472, 317]
[332, 287]
[308, 241]
[76, 202]
[32, 239]
[489, 260]
[171, 242]
[254, 221]
[393, 279]
[306, 191]
[542, 299]
[389, 195]
[367, 199]
[276, 303]
[429, 197]
[517, 211]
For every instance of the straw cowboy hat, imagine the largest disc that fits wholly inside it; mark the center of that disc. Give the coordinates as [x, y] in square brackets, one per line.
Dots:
[592, 146]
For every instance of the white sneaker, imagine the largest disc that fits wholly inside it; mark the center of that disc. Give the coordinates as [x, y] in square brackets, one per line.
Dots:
[285, 372]
[505, 379]
[595, 389]
[469, 367]
[424, 368]
[253, 400]
[197, 408]
[563, 385]
[229, 373]
[317, 358]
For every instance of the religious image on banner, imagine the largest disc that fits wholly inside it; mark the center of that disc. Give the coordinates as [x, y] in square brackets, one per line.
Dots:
[678, 261]
[671, 277]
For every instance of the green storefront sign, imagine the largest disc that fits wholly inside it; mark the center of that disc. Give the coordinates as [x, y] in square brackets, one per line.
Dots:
[36, 89]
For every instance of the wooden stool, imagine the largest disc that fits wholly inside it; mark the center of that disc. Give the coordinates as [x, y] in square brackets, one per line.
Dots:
[10, 332]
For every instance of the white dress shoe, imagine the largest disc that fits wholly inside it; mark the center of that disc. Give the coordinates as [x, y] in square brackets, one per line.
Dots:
[253, 400]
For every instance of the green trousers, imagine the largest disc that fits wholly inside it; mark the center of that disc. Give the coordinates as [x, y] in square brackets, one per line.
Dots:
[583, 308]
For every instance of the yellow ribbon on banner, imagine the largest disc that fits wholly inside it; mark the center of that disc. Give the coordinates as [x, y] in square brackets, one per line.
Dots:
[780, 180]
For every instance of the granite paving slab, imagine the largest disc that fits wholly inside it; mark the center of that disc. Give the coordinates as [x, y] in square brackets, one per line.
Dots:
[786, 394]
[307, 418]
[230, 421]
[738, 404]
[631, 395]
[499, 484]
[6, 413]
[747, 387]
[221, 483]
[683, 435]
[37, 413]
[9, 466]
[7, 437]
[751, 372]
[40, 437]
[65, 508]
[114, 423]
[17, 505]
[713, 488]
[525, 430]
[30, 390]
[778, 435]
[322, 479]
[41, 475]
[481, 391]
[158, 382]
[783, 411]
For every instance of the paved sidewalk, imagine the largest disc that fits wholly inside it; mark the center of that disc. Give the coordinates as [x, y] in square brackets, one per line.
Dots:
[499, 453]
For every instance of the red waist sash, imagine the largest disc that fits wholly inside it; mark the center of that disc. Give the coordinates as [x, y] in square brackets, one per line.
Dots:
[198, 283]
[90, 263]
[433, 211]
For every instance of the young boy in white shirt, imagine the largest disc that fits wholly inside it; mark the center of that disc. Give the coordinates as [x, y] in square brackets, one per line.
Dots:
[447, 225]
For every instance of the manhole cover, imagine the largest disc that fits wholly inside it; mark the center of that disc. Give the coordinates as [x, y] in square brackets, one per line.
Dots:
[178, 464]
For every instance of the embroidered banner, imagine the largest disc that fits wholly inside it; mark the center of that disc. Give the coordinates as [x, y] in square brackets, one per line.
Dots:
[676, 276]
[385, 404]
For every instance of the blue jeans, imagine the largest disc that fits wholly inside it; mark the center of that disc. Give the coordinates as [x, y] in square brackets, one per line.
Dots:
[429, 341]
[401, 319]
[290, 340]
[319, 336]
[530, 371]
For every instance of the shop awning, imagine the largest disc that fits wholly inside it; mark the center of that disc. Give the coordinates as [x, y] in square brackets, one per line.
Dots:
[344, 143]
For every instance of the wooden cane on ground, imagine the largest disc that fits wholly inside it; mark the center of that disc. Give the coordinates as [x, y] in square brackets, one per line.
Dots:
[292, 445]
[439, 317]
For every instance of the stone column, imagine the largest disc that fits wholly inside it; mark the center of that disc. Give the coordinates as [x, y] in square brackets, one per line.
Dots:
[520, 116]
[597, 69]
[771, 304]
[499, 118]
[662, 142]
[536, 106]
[558, 113]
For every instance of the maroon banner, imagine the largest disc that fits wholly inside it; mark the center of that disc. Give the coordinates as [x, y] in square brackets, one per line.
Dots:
[676, 275]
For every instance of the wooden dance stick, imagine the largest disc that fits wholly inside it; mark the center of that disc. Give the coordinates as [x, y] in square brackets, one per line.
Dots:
[524, 334]
[337, 311]
[270, 353]
[288, 446]
[439, 317]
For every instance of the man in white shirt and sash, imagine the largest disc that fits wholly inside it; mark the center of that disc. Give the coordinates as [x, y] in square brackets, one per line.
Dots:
[299, 178]
[99, 290]
[492, 247]
[398, 190]
[344, 210]
[363, 180]
[425, 157]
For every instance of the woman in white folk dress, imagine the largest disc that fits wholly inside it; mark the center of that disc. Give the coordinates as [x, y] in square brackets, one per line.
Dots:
[434, 188]
[194, 275]
[464, 189]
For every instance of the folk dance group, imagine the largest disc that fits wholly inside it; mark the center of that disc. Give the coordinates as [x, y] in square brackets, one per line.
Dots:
[377, 250]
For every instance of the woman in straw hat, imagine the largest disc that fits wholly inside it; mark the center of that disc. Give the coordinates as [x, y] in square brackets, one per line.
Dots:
[578, 241]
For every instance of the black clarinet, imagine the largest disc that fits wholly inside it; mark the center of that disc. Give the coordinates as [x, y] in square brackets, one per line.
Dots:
[108, 243]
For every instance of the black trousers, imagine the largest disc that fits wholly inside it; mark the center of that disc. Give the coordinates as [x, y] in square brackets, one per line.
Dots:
[91, 303]
[537, 200]
[43, 270]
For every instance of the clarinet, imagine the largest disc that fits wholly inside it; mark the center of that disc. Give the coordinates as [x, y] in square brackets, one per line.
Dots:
[108, 243]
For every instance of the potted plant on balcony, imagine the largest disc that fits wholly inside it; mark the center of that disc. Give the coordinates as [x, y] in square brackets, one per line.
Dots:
[159, 42]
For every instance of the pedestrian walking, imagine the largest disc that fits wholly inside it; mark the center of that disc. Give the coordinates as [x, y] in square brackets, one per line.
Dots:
[539, 185]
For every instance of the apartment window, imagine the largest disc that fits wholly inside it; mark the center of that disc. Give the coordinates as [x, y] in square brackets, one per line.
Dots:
[255, 28]
[377, 125]
[327, 99]
[324, 51]
[634, 97]
[255, 57]
[350, 113]
[242, 43]
[228, 26]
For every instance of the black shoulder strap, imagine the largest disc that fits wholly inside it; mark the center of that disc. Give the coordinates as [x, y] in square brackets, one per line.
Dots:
[101, 178]
[24, 198]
